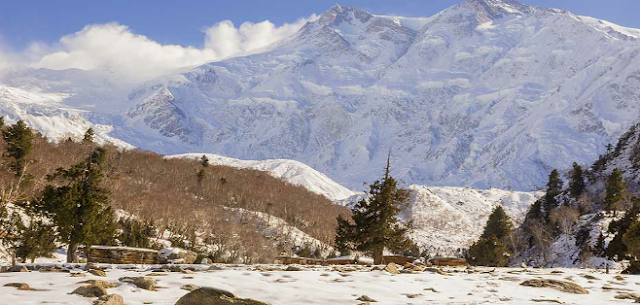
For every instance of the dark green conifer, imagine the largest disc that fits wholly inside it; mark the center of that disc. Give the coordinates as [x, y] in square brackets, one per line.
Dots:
[88, 136]
[554, 188]
[615, 188]
[18, 145]
[376, 225]
[576, 185]
[80, 208]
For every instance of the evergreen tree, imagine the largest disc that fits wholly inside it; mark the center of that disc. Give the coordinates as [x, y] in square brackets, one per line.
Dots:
[200, 176]
[18, 145]
[554, 188]
[204, 161]
[376, 226]
[345, 236]
[632, 241]
[80, 209]
[88, 136]
[617, 248]
[614, 187]
[493, 247]
[1, 122]
[576, 185]
[35, 240]
[498, 225]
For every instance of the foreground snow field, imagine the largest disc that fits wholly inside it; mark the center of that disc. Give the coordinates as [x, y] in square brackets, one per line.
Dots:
[333, 285]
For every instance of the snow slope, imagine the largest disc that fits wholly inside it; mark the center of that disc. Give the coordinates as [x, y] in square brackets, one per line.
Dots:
[446, 219]
[487, 93]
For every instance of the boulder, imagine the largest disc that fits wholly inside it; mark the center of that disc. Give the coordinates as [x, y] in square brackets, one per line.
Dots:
[20, 286]
[90, 291]
[556, 284]
[103, 284]
[110, 299]
[178, 256]
[142, 282]
[435, 270]
[213, 296]
[293, 268]
[205, 261]
[18, 268]
[97, 272]
[391, 268]
[189, 287]
[627, 296]
[365, 298]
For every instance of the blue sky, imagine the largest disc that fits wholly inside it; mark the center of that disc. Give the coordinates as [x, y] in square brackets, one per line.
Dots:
[181, 22]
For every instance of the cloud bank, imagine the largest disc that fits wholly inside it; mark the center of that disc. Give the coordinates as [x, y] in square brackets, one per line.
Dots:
[136, 57]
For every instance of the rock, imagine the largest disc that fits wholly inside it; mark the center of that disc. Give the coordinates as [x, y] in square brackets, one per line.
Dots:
[293, 268]
[436, 270]
[97, 272]
[619, 278]
[78, 274]
[90, 291]
[110, 299]
[213, 296]
[590, 277]
[391, 268]
[205, 261]
[366, 298]
[181, 256]
[189, 287]
[142, 282]
[556, 284]
[175, 268]
[414, 295]
[216, 268]
[523, 265]
[20, 286]
[627, 296]
[188, 271]
[18, 268]
[101, 283]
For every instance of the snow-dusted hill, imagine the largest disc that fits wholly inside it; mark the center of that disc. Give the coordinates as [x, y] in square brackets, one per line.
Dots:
[294, 172]
[487, 93]
[446, 219]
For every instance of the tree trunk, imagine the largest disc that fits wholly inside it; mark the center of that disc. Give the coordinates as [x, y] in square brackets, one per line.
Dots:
[378, 256]
[72, 253]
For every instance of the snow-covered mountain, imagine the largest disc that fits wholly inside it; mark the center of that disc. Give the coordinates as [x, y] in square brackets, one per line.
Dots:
[487, 93]
[446, 219]
[294, 172]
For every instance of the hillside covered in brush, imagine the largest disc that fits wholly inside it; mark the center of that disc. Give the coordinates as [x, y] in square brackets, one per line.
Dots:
[191, 203]
[583, 219]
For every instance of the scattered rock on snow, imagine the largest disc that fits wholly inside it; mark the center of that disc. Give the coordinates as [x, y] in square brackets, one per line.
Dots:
[90, 291]
[366, 298]
[97, 272]
[213, 296]
[101, 283]
[556, 284]
[627, 296]
[142, 282]
[18, 268]
[293, 268]
[189, 287]
[392, 268]
[109, 299]
[20, 286]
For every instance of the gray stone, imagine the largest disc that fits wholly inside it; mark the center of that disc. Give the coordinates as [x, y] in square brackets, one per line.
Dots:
[90, 291]
[556, 284]
[110, 299]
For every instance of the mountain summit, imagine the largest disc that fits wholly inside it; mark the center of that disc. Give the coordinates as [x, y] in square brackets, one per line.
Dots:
[487, 93]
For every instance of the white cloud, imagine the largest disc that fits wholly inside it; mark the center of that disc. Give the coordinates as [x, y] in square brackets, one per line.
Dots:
[227, 40]
[137, 57]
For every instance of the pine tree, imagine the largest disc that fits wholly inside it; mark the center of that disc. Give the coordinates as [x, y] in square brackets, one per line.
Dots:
[376, 225]
[1, 122]
[498, 225]
[632, 241]
[554, 188]
[35, 240]
[81, 209]
[200, 176]
[617, 248]
[345, 236]
[493, 247]
[18, 144]
[204, 161]
[615, 187]
[88, 136]
[576, 185]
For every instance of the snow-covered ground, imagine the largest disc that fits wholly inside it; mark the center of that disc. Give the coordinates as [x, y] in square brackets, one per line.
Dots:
[325, 285]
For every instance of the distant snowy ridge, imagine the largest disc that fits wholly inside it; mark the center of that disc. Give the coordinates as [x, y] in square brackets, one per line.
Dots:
[446, 219]
[294, 172]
